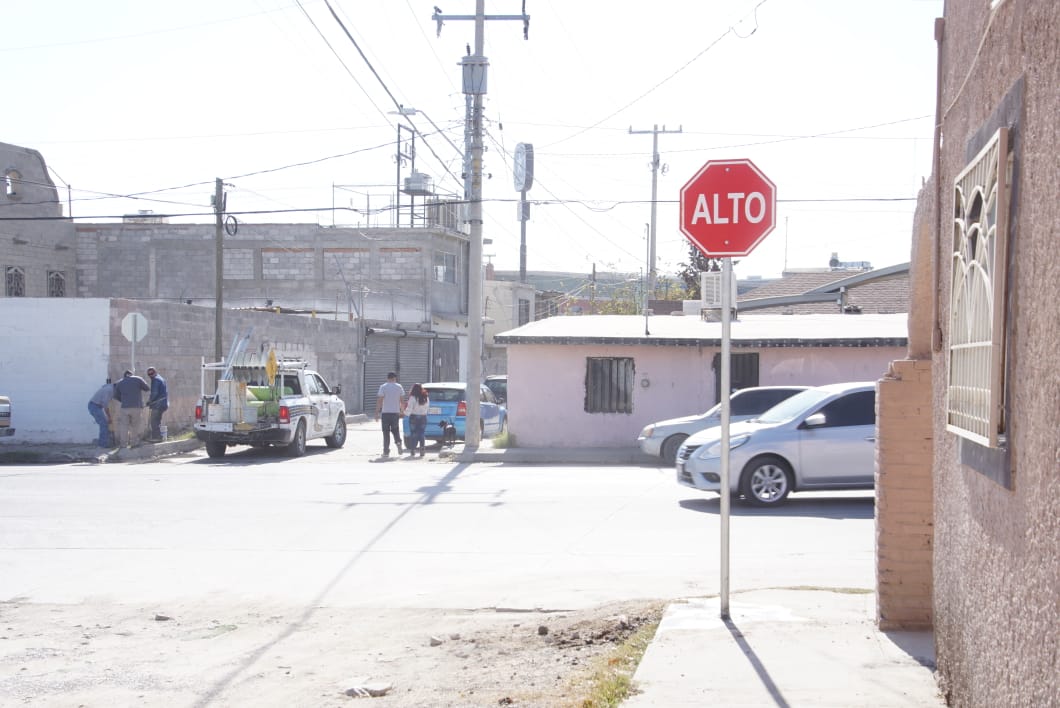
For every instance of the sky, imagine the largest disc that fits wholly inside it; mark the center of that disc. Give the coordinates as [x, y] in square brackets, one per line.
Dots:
[832, 99]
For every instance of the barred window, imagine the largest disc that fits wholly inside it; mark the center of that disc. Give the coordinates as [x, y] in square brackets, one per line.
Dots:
[975, 385]
[524, 312]
[15, 282]
[609, 384]
[445, 267]
[56, 283]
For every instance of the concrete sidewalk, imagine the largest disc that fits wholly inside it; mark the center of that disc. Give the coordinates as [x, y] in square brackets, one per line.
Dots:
[785, 647]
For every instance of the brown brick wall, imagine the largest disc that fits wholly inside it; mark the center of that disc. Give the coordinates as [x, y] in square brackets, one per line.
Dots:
[904, 500]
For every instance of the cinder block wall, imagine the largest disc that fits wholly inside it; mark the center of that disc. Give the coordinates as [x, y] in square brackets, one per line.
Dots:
[180, 335]
[904, 499]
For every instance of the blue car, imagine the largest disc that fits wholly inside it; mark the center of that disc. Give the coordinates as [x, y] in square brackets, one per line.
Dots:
[448, 409]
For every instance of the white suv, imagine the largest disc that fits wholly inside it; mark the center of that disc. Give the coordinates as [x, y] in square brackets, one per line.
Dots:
[821, 439]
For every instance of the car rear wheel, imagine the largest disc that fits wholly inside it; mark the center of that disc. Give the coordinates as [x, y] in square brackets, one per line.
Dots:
[766, 481]
[296, 448]
[670, 447]
[338, 438]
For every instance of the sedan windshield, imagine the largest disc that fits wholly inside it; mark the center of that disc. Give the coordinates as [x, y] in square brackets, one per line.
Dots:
[794, 406]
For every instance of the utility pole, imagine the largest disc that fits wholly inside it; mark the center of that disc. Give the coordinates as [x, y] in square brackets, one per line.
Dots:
[219, 264]
[592, 293]
[655, 132]
[474, 83]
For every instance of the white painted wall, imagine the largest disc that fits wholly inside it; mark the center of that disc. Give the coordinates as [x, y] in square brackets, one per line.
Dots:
[53, 357]
[546, 386]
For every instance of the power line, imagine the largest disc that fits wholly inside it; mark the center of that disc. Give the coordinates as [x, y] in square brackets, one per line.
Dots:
[333, 51]
[382, 83]
[684, 66]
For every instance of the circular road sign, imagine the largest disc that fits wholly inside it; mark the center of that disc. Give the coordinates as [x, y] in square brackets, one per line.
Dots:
[728, 207]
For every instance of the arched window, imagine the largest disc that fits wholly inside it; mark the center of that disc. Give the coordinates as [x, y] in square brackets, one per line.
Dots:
[13, 183]
[56, 283]
[15, 282]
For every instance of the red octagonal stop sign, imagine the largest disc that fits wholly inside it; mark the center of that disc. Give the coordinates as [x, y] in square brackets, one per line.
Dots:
[728, 208]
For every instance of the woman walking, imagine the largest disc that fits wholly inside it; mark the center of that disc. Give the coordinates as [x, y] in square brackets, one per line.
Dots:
[416, 409]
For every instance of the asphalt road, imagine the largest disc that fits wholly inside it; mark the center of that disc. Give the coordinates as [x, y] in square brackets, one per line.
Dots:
[343, 528]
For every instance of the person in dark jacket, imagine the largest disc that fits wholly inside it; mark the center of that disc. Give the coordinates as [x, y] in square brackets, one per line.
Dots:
[130, 416]
[157, 404]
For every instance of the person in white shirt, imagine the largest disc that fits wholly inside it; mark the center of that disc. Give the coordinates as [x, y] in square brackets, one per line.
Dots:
[416, 409]
[388, 403]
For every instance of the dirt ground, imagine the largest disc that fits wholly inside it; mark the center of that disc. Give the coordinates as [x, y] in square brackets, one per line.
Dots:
[97, 655]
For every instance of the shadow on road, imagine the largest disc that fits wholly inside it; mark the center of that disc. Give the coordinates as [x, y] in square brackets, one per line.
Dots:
[428, 495]
[817, 507]
[244, 456]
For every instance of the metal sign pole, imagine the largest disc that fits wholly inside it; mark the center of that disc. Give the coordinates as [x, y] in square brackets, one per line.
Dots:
[726, 387]
[132, 354]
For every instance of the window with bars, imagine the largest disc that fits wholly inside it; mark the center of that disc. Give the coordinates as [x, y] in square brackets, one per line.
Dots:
[609, 384]
[56, 283]
[445, 267]
[15, 281]
[976, 380]
[524, 312]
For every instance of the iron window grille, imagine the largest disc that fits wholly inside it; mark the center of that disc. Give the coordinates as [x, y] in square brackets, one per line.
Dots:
[56, 283]
[609, 384]
[15, 281]
[976, 381]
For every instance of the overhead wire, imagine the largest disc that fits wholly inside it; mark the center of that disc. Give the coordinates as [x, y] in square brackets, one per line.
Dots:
[538, 182]
[333, 51]
[386, 89]
[666, 80]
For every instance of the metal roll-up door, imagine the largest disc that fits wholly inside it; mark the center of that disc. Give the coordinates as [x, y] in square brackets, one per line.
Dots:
[446, 364]
[414, 357]
[382, 359]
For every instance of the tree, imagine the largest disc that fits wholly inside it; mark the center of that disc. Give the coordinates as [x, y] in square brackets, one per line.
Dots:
[626, 299]
[697, 263]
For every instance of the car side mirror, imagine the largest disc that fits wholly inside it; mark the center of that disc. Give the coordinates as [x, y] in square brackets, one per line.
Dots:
[814, 421]
[337, 390]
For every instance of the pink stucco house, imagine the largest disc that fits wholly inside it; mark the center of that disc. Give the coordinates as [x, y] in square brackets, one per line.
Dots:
[597, 380]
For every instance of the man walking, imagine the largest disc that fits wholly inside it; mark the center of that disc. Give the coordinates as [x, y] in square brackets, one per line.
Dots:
[130, 416]
[388, 403]
[97, 407]
[157, 403]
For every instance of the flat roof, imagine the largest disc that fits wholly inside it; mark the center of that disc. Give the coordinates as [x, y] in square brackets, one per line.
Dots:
[838, 330]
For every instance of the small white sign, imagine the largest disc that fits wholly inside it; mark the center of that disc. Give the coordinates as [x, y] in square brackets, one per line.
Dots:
[134, 327]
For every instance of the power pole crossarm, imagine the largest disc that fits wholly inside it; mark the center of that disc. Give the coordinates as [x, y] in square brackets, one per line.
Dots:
[524, 18]
[655, 133]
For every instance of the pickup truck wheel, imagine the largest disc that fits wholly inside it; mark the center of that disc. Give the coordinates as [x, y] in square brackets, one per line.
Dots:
[296, 448]
[215, 449]
[338, 438]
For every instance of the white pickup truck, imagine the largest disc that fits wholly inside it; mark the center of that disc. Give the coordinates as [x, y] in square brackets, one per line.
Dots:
[287, 408]
[5, 417]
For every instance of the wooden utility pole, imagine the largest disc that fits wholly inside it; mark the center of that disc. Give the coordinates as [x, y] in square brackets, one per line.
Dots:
[219, 263]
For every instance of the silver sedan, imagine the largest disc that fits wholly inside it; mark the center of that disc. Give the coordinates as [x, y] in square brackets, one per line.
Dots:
[821, 439]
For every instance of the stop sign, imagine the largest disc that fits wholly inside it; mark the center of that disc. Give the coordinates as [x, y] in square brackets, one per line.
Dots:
[728, 208]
